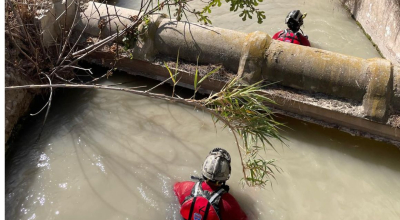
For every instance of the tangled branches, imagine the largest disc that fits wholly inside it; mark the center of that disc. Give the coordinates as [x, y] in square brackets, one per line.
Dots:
[241, 109]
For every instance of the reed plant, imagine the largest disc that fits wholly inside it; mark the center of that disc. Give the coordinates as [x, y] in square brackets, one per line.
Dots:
[243, 109]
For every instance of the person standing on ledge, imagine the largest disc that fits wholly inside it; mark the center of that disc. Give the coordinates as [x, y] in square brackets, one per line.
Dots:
[208, 198]
[294, 21]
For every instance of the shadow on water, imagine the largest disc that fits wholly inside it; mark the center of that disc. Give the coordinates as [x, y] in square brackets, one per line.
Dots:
[364, 149]
[84, 123]
[75, 113]
[25, 155]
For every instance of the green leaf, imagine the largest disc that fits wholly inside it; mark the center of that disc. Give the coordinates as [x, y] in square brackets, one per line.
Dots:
[170, 73]
[195, 80]
[196, 75]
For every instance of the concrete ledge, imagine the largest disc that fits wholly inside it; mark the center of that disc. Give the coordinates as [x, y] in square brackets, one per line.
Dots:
[346, 122]
[153, 71]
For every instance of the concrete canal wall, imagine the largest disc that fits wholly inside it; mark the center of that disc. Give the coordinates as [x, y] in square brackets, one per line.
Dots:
[372, 86]
[17, 102]
[381, 21]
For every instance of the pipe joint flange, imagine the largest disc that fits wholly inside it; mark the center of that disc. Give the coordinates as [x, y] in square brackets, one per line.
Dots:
[252, 57]
[376, 101]
[396, 88]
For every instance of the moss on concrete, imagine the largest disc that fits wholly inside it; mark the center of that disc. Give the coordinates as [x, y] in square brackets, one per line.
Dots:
[365, 33]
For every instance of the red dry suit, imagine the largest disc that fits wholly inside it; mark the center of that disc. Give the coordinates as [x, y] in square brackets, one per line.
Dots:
[229, 208]
[291, 37]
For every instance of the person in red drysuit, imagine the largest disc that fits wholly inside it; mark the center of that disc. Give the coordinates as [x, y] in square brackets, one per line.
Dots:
[294, 21]
[216, 171]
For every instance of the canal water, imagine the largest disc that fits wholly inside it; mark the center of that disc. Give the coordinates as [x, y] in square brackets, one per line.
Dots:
[114, 155]
[328, 25]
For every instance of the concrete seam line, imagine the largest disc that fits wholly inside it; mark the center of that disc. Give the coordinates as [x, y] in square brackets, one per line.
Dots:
[244, 55]
[396, 88]
[377, 99]
[253, 56]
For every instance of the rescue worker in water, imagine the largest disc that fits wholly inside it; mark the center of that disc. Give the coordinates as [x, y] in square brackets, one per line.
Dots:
[294, 21]
[208, 198]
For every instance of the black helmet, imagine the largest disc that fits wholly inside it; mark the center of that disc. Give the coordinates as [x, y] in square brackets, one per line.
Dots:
[294, 20]
[217, 165]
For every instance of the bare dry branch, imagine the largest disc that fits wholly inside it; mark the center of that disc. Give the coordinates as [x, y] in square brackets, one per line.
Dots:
[69, 33]
[48, 104]
[115, 9]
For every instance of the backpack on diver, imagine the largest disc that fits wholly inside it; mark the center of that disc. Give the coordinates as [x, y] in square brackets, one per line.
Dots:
[202, 204]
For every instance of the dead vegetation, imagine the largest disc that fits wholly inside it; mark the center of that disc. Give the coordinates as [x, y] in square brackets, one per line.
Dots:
[221, 74]
[25, 51]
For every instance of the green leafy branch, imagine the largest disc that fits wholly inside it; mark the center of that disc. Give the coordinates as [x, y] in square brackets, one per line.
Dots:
[248, 8]
[244, 111]
[173, 76]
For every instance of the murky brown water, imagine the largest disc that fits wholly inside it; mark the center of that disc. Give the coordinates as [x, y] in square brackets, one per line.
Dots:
[113, 155]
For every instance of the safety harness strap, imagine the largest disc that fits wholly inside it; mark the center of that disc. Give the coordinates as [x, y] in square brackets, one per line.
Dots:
[191, 208]
[206, 213]
[218, 193]
[196, 189]
[298, 38]
[286, 32]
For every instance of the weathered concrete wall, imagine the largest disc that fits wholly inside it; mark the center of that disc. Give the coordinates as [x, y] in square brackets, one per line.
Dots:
[51, 22]
[17, 102]
[381, 20]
